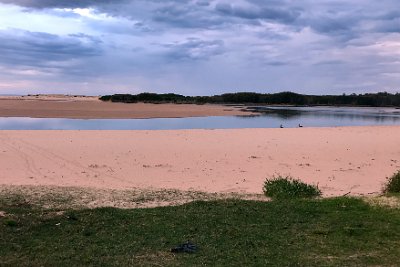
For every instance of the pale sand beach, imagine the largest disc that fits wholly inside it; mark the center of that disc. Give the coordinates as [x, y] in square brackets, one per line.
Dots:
[348, 160]
[90, 107]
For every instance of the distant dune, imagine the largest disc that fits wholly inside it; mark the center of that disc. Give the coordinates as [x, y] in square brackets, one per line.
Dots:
[90, 107]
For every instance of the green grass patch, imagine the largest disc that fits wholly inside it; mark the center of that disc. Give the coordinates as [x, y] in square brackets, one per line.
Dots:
[322, 232]
[393, 184]
[11, 223]
[287, 187]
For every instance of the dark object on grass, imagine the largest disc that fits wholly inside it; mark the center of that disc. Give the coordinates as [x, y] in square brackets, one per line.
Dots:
[187, 247]
[287, 187]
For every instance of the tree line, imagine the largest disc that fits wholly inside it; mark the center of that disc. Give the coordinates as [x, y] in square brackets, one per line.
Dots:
[381, 99]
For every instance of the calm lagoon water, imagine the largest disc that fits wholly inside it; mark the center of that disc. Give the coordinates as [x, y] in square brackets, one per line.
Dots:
[271, 117]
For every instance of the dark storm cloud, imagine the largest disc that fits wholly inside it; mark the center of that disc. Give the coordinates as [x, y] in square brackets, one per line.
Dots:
[271, 13]
[342, 29]
[394, 14]
[59, 3]
[336, 17]
[203, 3]
[330, 62]
[41, 50]
[176, 13]
[388, 22]
[332, 25]
[277, 63]
[316, 43]
[341, 20]
[185, 16]
[193, 49]
[332, 18]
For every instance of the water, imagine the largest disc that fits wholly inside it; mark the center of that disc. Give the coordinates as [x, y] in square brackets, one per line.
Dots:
[272, 117]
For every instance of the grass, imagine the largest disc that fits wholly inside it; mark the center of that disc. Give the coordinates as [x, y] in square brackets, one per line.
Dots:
[393, 184]
[322, 232]
[287, 187]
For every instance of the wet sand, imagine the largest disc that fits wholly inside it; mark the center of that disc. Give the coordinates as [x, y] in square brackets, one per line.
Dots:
[87, 107]
[348, 160]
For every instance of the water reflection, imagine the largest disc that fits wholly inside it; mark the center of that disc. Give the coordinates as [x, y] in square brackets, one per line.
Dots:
[271, 117]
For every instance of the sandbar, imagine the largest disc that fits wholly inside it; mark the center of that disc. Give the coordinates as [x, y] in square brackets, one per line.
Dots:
[90, 107]
[341, 161]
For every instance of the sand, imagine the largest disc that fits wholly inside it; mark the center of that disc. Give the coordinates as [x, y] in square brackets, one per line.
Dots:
[348, 160]
[86, 107]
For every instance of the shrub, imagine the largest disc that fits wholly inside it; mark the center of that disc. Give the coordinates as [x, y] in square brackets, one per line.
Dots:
[287, 187]
[105, 98]
[393, 184]
[11, 223]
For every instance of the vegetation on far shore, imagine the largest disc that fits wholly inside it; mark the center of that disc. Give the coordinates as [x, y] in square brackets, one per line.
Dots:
[284, 98]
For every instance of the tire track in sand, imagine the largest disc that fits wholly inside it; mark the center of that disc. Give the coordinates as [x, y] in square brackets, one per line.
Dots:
[73, 167]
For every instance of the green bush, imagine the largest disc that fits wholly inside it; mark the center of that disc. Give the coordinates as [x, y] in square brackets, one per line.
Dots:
[287, 187]
[393, 184]
[11, 223]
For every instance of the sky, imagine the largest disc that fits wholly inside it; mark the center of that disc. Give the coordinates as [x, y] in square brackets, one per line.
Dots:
[199, 47]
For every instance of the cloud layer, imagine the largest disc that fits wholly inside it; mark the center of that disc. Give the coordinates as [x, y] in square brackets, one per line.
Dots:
[199, 46]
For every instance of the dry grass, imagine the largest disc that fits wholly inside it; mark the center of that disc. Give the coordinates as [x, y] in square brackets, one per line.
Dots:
[53, 197]
[389, 201]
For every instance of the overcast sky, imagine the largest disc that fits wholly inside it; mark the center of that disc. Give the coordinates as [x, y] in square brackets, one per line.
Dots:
[199, 47]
